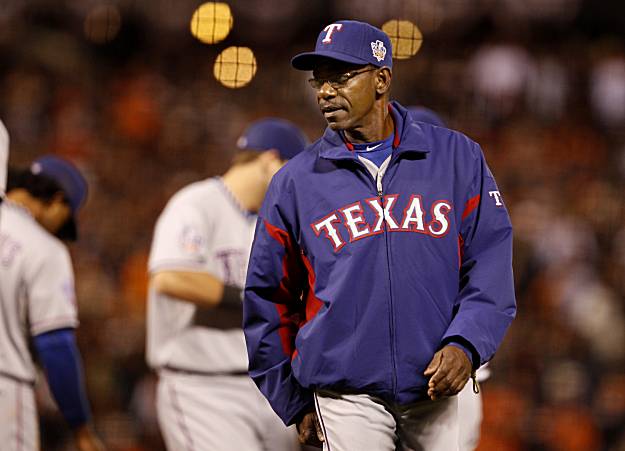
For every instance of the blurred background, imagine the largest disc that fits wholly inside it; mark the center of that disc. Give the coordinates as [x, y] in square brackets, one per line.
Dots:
[146, 96]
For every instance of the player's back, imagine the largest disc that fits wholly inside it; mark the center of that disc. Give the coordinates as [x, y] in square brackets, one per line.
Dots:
[36, 288]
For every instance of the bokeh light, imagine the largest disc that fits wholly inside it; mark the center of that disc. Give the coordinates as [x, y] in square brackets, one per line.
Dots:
[102, 24]
[235, 67]
[406, 38]
[211, 22]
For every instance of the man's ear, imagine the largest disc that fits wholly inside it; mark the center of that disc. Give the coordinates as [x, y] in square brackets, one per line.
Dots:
[268, 159]
[269, 155]
[383, 80]
[58, 197]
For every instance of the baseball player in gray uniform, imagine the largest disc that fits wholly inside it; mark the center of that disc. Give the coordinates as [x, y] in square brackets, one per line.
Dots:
[4, 159]
[197, 265]
[37, 303]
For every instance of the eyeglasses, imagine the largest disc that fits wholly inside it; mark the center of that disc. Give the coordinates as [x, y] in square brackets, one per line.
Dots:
[337, 81]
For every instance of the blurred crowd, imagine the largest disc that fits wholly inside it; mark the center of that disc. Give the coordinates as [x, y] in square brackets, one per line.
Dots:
[541, 87]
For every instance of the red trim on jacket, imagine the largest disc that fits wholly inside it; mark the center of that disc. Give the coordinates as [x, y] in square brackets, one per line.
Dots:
[287, 298]
[470, 206]
[313, 303]
[396, 137]
[460, 250]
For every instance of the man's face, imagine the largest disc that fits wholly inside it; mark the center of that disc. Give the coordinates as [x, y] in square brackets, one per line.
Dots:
[55, 214]
[346, 93]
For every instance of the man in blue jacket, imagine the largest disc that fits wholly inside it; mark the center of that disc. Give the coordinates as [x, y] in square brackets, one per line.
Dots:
[380, 276]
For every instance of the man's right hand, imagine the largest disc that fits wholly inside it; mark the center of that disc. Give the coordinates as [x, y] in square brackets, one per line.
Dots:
[309, 430]
[86, 440]
[448, 371]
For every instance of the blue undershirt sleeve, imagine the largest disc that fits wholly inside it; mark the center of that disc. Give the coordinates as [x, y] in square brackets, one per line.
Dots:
[61, 361]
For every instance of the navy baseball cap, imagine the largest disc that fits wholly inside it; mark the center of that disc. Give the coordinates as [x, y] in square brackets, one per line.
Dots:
[70, 180]
[274, 133]
[423, 114]
[349, 41]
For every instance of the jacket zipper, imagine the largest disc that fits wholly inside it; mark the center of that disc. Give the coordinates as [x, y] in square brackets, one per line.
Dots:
[390, 288]
[380, 192]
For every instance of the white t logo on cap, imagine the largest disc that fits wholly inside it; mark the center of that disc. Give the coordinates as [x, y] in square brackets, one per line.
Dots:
[329, 30]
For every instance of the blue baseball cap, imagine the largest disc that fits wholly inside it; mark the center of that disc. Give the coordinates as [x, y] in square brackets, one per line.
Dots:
[70, 180]
[274, 133]
[423, 114]
[349, 41]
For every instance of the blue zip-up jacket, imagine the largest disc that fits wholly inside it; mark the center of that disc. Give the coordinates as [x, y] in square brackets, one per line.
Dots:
[354, 288]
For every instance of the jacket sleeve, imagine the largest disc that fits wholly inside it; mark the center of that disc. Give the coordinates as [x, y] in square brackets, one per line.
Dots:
[273, 308]
[486, 303]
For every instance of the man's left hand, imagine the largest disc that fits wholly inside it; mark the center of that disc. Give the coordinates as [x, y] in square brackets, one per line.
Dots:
[309, 431]
[449, 370]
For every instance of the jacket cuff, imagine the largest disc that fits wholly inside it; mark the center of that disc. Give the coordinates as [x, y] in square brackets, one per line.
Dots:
[466, 346]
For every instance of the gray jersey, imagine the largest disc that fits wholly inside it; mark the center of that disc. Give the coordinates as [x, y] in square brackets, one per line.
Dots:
[201, 229]
[4, 158]
[36, 289]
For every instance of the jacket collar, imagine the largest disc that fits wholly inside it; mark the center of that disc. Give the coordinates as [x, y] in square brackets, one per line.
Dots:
[409, 137]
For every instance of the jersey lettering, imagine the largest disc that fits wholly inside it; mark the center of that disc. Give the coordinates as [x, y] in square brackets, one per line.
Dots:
[413, 215]
[353, 217]
[439, 225]
[413, 219]
[233, 263]
[384, 214]
[327, 225]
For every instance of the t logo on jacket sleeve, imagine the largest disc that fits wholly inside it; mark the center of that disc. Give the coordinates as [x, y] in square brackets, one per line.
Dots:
[497, 196]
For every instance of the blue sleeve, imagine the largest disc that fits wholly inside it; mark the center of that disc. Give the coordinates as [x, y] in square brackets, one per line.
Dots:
[273, 310]
[486, 303]
[60, 359]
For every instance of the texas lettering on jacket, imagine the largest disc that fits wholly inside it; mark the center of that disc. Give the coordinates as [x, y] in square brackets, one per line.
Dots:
[412, 219]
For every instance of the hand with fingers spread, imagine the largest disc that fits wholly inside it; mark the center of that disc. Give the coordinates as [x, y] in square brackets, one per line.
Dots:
[448, 371]
[309, 430]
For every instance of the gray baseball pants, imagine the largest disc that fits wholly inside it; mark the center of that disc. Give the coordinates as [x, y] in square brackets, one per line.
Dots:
[363, 422]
